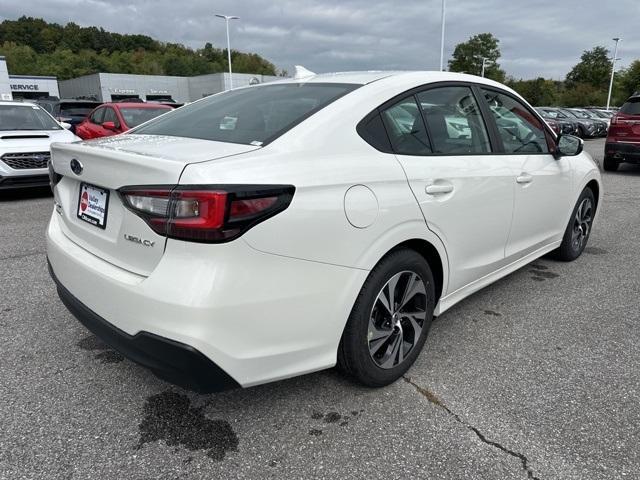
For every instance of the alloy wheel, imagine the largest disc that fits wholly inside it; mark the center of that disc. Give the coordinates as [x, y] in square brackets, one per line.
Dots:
[397, 319]
[582, 224]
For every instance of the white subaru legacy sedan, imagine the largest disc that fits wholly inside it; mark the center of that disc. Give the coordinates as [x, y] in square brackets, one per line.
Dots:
[280, 229]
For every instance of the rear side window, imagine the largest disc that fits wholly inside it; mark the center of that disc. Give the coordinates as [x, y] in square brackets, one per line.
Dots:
[520, 130]
[631, 106]
[406, 129]
[454, 121]
[373, 132]
[251, 116]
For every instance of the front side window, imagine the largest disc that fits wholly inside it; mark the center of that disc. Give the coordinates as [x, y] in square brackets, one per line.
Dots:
[110, 115]
[521, 131]
[26, 117]
[406, 129]
[97, 116]
[454, 121]
[250, 116]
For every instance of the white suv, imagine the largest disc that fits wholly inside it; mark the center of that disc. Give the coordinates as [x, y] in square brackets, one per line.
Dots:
[279, 229]
[26, 133]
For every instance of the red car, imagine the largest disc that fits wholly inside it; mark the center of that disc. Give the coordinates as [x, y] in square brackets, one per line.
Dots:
[113, 118]
[623, 139]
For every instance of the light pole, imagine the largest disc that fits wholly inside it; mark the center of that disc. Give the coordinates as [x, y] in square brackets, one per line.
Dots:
[444, 9]
[484, 61]
[613, 70]
[226, 21]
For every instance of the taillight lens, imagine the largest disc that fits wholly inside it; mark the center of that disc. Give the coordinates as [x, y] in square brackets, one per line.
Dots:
[614, 119]
[208, 214]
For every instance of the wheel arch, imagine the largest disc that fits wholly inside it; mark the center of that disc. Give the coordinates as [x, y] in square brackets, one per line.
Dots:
[594, 186]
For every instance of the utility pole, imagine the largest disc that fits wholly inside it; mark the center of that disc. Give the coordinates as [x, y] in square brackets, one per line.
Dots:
[484, 61]
[613, 70]
[226, 21]
[444, 9]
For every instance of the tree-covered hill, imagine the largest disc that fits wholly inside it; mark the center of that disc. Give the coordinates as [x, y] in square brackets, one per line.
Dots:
[33, 46]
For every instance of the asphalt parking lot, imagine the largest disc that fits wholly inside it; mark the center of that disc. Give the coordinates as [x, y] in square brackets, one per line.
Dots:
[537, 376]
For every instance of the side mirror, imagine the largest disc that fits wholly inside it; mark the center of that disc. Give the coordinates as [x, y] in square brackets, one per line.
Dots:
[65, 125]
[568, 146]
[110, 126]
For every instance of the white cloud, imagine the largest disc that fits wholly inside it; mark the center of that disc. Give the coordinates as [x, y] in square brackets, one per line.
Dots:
[538, 37]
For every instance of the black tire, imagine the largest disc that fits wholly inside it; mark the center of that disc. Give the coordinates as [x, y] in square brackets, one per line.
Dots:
[354, 356]
[569, 250]
[610, 164]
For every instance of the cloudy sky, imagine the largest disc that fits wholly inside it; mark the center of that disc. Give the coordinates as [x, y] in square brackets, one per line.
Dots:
[537, 37]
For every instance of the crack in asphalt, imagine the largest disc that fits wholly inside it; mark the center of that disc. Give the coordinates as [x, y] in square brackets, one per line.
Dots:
[437, 402]
[22, 255]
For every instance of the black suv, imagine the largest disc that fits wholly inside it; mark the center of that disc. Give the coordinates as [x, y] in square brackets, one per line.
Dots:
[68, 110]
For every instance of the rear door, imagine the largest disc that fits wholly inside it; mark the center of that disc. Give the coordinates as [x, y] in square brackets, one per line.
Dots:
[101, 167]
[542, 183]
[466, 192]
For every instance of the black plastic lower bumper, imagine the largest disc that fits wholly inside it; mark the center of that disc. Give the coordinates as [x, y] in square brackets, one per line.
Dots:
[172, 361]
[624, 152]
[23, 181]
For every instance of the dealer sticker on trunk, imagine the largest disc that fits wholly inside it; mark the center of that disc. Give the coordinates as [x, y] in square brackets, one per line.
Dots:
[93, 203]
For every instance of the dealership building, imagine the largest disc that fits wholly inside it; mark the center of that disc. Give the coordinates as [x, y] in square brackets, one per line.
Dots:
[27, 87]
[107, 87]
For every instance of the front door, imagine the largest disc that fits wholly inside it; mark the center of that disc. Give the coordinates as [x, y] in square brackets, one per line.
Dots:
[542, 182]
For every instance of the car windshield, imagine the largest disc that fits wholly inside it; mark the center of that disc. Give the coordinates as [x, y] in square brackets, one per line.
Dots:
[251, 116]
[26, 117]
[136, 116]
[631, 106]
[552, 114]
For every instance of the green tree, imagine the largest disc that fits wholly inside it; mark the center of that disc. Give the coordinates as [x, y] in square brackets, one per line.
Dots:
[33, 46]
[538, 92]
[593, 69]
[627, 82]
[467, 57]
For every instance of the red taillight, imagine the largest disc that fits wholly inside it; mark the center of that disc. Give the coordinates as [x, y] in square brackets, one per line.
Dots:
[206, 214]
[614, 119]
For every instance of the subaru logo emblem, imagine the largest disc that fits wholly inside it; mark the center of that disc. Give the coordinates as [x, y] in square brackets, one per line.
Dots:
[76, 167]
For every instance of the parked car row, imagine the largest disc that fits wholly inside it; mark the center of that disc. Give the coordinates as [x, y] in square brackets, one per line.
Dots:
[576, 121]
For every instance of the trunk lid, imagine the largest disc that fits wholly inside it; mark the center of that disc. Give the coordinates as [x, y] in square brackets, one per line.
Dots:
[125, 160]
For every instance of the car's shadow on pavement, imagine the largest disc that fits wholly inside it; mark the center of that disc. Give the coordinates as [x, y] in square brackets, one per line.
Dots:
[24, 194]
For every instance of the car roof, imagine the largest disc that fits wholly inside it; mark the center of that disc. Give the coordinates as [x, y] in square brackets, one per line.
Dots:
[16, 103]
[366, 77]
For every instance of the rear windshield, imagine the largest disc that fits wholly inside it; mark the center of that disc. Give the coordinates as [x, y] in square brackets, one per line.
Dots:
[136, 116]
[631, 106]
[251, 116]
[76, 109]
[26, 117]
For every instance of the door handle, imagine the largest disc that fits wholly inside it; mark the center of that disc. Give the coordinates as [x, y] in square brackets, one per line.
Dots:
[524, 178]
[436, 189]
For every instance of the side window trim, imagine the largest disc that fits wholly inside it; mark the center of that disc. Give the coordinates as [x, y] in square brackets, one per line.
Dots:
[489, 119]
[485, 107]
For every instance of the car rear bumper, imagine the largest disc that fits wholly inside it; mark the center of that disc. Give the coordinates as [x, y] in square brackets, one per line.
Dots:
[625, 152]
[254, 317]
[172, 361]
